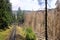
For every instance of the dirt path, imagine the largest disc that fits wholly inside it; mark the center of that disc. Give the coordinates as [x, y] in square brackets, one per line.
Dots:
[13, 33]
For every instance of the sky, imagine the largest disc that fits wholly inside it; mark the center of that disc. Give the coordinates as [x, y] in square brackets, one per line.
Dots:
[32, 4]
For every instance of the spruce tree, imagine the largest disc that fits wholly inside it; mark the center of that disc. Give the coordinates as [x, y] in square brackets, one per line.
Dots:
[5, 14]
[20, 16]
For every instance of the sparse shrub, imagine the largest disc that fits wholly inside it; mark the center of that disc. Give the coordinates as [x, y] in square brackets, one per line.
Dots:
[30, 35]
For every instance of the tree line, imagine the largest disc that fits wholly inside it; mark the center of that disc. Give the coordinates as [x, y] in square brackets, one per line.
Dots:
[6, 16]
[20, 16]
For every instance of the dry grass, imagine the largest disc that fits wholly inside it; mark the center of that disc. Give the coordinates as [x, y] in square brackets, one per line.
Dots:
[20, 33]
[5, 34]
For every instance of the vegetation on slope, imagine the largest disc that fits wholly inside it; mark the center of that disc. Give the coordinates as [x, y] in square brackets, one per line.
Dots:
[5, 34]
[27, 33]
